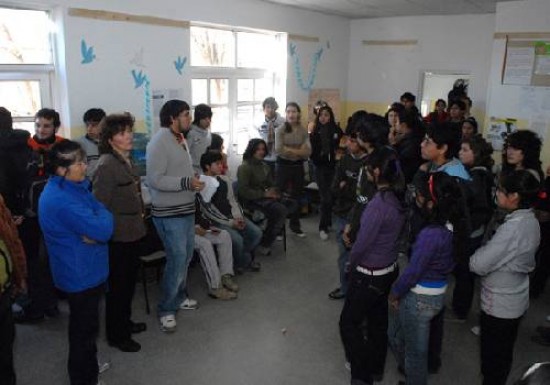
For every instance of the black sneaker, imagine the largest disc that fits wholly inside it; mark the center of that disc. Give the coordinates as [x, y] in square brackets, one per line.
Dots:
[128, 346]
[138, 327]
[336, 294]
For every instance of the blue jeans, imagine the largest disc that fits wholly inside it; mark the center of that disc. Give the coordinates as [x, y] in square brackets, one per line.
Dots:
[409, 334]
[244, 242]
[343, 253]
[178, 236]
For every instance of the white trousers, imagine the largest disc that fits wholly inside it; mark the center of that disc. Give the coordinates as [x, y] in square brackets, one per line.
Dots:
[214, 268]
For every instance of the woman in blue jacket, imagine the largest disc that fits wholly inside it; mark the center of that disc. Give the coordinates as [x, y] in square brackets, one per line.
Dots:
[76, 229]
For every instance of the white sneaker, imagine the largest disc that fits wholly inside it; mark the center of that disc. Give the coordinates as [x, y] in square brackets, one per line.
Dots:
[323, 235]
[168, 323]
[103, 366]
[548, 318]
[279, 238]
[476, 330]
[189, 304]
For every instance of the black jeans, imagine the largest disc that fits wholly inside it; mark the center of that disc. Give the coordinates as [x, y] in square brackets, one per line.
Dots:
[366, 301]
[276, 212]
[290, 180]
[498, 337]
[41, 288]
[83, 330]
[463, 293]
[325, 175]
[123, 268]
[7, 336]
[542, 271]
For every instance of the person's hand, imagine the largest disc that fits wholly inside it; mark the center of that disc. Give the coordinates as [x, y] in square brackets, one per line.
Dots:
[239, 223]
[196, 184]
[394, 302]
[346, 235]
[88, 241]
[199, 230]
[342, 184]
[18, 219]
[271, 193]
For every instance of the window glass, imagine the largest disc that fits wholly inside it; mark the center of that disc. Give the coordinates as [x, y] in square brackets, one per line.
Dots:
[255, 50]
[212, 47]
[24, 37]
[263, 88]
[245, 90]
[199, 90]
[21, 97]
[219, 91]
[220, 121]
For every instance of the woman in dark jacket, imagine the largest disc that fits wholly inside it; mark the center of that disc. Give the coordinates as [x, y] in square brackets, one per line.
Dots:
[117, 185]
[324, 140]
[408, 139]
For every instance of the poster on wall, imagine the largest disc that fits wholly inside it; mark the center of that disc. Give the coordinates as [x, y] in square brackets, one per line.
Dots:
[542, 61]
[499, 129]
[329, 95]
[519, 66]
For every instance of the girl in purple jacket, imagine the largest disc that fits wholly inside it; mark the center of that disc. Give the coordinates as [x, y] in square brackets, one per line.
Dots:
[373, 269]
[418, 295]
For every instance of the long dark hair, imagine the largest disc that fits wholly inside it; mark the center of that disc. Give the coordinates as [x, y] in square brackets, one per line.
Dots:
[530, 144]
[288, 127]
[449, 206]
[482, 151]
[64, 154]
[332, 121]
[252, 147]
[524, 183]
[386, 160]
[373, 129]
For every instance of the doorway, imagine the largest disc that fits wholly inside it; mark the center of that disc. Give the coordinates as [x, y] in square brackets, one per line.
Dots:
[436, 85]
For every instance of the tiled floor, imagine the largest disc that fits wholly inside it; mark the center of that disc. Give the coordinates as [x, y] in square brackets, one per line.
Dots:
[282, 330]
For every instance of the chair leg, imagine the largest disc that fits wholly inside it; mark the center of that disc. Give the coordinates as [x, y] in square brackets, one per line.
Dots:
[284, 237]
[144, 282]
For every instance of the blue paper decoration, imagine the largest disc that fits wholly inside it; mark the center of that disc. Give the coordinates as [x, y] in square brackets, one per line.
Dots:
[148, 113]
[306, 86]
[87, 53]
[179, 64]
[139, 78]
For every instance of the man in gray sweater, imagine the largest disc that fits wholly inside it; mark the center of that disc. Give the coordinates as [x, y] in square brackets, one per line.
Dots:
[173, 186]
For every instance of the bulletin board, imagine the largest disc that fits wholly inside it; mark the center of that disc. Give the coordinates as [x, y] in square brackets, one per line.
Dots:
[527, 63]
[329, 95]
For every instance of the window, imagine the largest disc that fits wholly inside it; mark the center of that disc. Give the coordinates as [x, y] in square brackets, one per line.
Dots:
[233, 72]
[26, 64]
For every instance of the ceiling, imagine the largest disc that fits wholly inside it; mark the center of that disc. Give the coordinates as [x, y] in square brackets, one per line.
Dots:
[359, 9]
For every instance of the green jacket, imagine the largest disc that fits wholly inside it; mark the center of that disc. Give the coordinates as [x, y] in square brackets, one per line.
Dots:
[254, 178]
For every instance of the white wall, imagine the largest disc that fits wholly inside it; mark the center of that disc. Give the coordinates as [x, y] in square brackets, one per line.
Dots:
[108, 83]
[380, 74]
[520, 102]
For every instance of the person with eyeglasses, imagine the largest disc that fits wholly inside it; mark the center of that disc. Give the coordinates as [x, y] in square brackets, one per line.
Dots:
[76, 228]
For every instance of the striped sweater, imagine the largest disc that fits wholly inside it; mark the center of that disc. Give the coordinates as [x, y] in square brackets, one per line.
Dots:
[169, 175]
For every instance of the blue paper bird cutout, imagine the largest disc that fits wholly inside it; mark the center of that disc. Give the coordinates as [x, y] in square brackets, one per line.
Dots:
[87, 53]
[179, 64]
[318, 54]
[139, 78]
[292, 49]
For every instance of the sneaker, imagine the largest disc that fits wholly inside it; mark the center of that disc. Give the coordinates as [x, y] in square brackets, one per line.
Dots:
[299, 233]
[279, 238]
[127, 346]
[222, 293]
[254, 266]
[548, 318]
[189, 304]
[323, 235]
[168, 323]
[452, 317]
[103, 366]
[263, 251]
[476, 330]
[228, 283]
[336, 294]
[137, 327]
